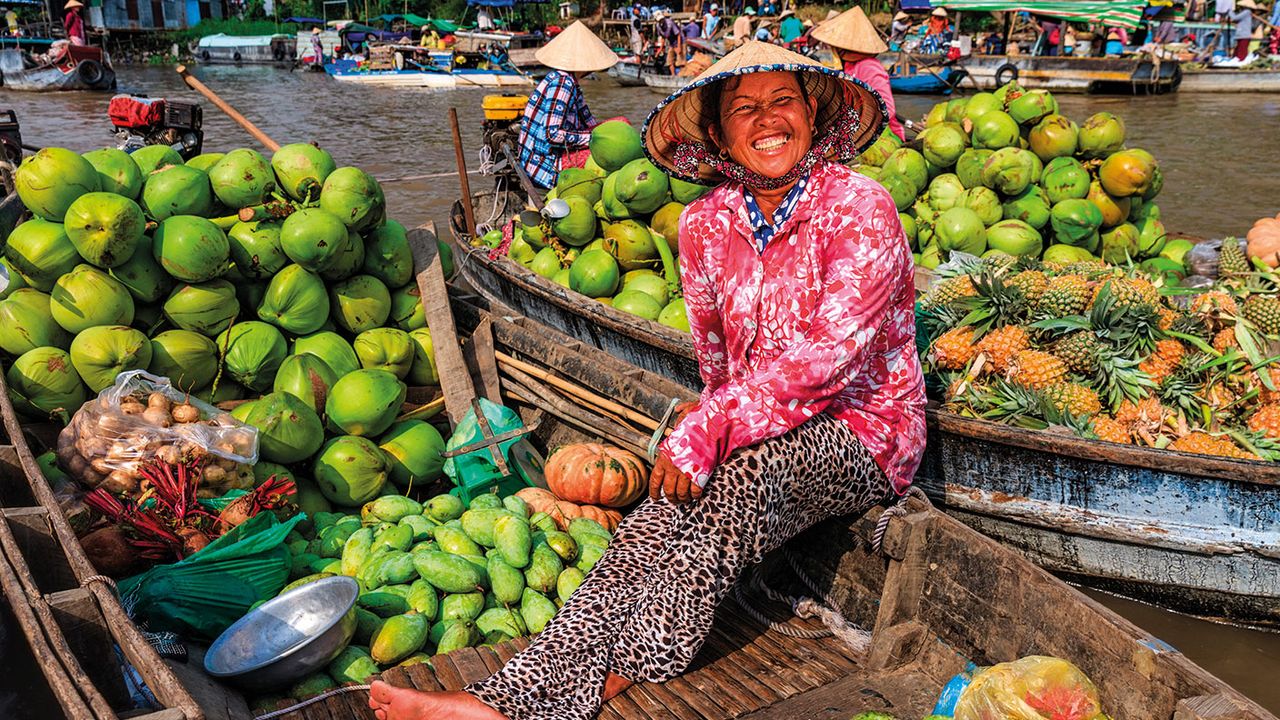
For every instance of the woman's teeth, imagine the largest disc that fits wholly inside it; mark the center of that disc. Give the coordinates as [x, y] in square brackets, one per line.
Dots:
[770, 143]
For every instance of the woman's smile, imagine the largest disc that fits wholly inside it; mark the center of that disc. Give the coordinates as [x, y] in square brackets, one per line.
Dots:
[771, 143]
[766, 122]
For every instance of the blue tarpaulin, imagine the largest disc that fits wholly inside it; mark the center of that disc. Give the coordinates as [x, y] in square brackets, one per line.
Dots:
[304, 20]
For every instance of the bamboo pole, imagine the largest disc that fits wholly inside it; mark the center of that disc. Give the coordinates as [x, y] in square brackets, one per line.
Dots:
[467, 210]
[225, 107]
[578, 391]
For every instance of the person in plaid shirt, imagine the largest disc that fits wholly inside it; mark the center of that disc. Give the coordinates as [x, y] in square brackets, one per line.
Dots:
[556, 120]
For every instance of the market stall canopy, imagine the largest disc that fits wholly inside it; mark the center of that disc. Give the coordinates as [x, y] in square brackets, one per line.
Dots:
[1118, 13]
[444, 26]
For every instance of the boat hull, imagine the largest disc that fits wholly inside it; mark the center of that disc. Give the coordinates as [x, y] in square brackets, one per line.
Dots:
[664, 83]
[1231, 81]
[71, 75]
[415, 78]
[1068, 74]
[627, 74]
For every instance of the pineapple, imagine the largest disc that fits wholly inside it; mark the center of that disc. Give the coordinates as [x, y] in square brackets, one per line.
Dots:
[1032, 283]
[1080, 351]
[1036, 369]
[1265, 396]
[1161, 363]
[1266, 421]
[1203, 443]
[1001, 344]
[993, 304]
[1064, 295]
[1073, 398]
[1168, 316]
[1225, 339]
[1146, 413]
[1214, 303]
[1092, 269]
[1264, 313]
[1130, 293]
[1231, 259]
[1109, 429]
[949, 290]
[955, 348]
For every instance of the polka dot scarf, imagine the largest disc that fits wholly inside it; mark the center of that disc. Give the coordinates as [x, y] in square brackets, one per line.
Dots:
[765, 228]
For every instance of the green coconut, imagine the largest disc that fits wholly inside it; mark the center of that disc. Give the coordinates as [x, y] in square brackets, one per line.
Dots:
[1053, 137]
[637, 303]
[1015, 237]
[969, 166]
[306, 377]
[1100, 135]
[242, 178]
[387, 349]
[86, 297]
[105, 228]
[205, 161]
[424, 370]
[252, 353]
[177, 190]
[1120, 244]
[288, 429]
[406, 307]
[301, 169]
[336, 352]
[26, 323]
[546, 263]
[416, 449]
[984, 202]
[117, 172]
[255, 248]
[313, 238]
[944, 192]
[188, 359]
[1011, 170]
[1075, 221]
[874, 156]
[909, 164]
[631, 244]
[295, 301]
[961, 229]
[578, 227]
[387, 255]
[207, 308]
[49, 181]
[1029, 206]
[614, 144]
[145, 280]
[191, 248]
[351, 470]
[641, 187]
[102, 352]
[1032, 106]
[41, 252]
[655, 286]
[353, 197]
[359, 303]
[348, 261]
[1064, 178]
[594, 274]
[365, 402]
[445, 252]
[674, 315]
[580, 182]
[943, 144]
[43, 382]
[153, 157]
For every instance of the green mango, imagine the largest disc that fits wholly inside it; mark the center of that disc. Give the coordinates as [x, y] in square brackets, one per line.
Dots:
[398, 638]
[563, 544]
[455, 541]
[568, 581]
[481, 564]
[321, 520]
[418, 658]
[400, 589]
[536, 610]
[496, 637]
[444, 508]
[383, 604]
[353, 665]
[424, 600]
[511, 537]
[389, 508]
[517, 506]
[457, 635]
[585, 526]
[396, 537]
[449, 573]
[369, 574]
[311, 686]
[543, 522]
[424, 546]
[588, 556]
[398, 568]
[507, 582]
[333, 566]
[461, 606]
[356, 550]
[488, 501]
[367, 625]
[543, 569]
[478, 523]
[419, 525]
[333, 538]
[436, 634]
[303, 581]
[501, 620]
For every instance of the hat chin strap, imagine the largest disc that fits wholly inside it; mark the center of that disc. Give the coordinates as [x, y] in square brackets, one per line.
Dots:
[690, 156]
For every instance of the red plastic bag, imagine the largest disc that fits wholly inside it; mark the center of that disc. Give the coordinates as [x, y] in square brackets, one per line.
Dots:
[127, 111]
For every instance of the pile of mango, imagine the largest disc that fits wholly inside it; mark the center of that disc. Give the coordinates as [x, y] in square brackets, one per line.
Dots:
[439, 576]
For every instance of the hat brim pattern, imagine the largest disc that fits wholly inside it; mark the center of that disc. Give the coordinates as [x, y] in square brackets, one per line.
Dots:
[682, 119]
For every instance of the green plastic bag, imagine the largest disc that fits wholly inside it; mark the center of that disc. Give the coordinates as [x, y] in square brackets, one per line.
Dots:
[475, 472]
[205, 593]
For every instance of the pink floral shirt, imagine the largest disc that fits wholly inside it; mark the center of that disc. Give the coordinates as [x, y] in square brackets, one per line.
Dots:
[821, 321]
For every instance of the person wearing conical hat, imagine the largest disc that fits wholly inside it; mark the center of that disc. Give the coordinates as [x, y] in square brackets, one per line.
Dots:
[854, 40]
[1242, 16]
[900, 27]
[798, 287]
[789, 26]
[557, 121]
[73, 24]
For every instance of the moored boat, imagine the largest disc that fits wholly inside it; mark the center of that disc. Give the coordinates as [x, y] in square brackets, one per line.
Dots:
[627, 73]
[408, 66]
[246, 49]
[1139, 76]
[1210, 80]
[664, 83]
[62, 67]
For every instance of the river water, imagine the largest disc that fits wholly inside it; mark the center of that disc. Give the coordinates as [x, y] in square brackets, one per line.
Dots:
[1217, 152]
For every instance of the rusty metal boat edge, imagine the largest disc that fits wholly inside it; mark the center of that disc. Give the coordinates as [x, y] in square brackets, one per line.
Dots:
[1186, 532]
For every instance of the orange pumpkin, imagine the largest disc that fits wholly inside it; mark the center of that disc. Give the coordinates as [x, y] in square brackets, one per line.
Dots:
[1264, 241]
[596, 474]
[563, 512]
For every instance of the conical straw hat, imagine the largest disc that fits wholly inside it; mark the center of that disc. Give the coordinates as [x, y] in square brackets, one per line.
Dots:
[577, 49]
[851, 30]
[681, 121]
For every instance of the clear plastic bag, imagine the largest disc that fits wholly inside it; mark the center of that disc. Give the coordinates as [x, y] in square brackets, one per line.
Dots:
[1032, 688]
[142, 417]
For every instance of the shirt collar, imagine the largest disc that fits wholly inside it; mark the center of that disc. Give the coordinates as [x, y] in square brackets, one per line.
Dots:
[765, 228]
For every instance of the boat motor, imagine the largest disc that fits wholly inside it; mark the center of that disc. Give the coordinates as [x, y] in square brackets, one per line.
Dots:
[10, 138]
[501, 127]
[142, 121]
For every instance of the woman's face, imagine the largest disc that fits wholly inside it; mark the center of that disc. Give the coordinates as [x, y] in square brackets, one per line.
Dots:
[766, 124]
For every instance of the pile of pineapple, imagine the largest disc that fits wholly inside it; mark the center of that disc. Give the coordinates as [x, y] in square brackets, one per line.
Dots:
[1109, 352]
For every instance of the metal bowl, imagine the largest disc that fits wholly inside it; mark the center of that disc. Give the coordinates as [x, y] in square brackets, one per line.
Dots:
[287, 637]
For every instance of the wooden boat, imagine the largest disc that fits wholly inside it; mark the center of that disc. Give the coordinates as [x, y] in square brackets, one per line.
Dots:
[1212, 80]
[75, 67]
[923, 83]
[627, 73]
[1138, 76]
[1186, 532]
[410, 66]
[223, 49]
[664, 83]
[939, 596]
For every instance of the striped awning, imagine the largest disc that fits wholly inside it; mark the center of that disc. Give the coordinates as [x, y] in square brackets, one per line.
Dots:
[1120, 13]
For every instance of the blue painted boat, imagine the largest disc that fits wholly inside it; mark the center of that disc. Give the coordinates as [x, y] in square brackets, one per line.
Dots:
[923, 82]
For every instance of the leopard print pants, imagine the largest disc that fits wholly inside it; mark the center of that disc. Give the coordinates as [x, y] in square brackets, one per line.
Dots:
[645, 610]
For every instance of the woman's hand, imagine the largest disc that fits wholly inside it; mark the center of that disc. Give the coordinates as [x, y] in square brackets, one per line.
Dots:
[667, 480]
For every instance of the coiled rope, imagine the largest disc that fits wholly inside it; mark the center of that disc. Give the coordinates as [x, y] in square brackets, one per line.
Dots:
[311, 701]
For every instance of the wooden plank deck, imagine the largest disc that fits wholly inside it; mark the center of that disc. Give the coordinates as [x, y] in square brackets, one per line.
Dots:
[744, 671]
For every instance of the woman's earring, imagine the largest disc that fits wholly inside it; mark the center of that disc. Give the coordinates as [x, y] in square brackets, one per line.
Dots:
[723, 154]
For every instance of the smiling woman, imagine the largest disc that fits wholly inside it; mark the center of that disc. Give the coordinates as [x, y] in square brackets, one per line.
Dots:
[797, 280]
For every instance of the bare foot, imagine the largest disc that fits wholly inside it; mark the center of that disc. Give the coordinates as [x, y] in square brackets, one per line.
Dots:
[395, 703]
[615, 685]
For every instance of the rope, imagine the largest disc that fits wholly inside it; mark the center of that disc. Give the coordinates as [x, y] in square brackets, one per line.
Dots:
[426, 176]
[660, 432]
[312, 701]
[102, 579]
